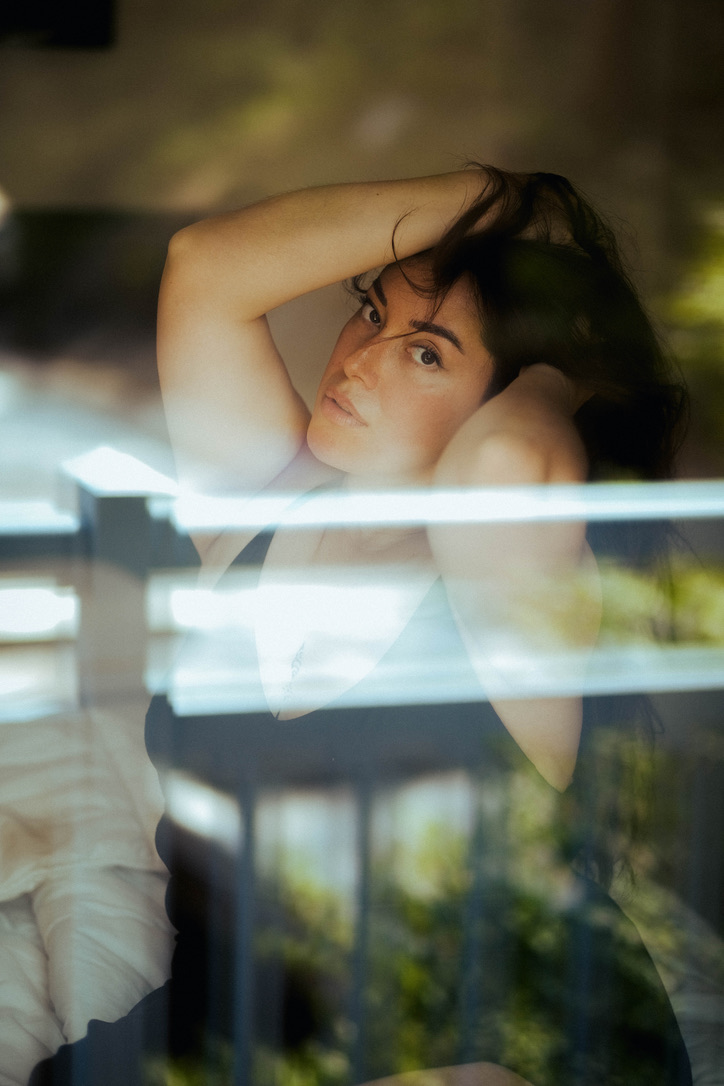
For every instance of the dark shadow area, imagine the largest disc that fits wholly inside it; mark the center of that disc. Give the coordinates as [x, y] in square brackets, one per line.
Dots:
[72, 24]
[84, 281]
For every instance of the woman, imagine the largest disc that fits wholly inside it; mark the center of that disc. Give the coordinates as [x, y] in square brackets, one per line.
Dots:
[500, 344]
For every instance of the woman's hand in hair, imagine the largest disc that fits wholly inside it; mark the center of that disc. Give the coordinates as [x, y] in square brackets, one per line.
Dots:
[552, 386]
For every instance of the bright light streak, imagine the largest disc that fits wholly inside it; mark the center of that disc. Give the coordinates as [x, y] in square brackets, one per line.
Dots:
[106, 470]
[200, 511]
[204, 609]
[33, 613]
[374, 607]
[624, 669]
[176, 601]
[204, 811]
[310, 835]
[14, 685]
[589, 502]
[35, 517]
[36, 680]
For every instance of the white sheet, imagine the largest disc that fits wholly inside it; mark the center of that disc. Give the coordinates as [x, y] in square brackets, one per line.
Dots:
[83, 929]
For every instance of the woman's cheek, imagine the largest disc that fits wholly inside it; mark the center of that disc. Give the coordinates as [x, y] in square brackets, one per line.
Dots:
[428, 432]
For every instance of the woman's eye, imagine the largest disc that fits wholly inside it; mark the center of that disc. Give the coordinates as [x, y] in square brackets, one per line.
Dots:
[369, 313]
[426, 356]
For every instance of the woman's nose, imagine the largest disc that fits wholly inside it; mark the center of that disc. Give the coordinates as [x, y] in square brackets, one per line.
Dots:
[364, 364]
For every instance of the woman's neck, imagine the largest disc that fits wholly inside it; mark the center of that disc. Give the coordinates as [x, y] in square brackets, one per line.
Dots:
[377, 537]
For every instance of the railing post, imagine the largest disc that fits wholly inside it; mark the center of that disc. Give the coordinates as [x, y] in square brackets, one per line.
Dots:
[116, 539]
[361, 940]
[244, 1026]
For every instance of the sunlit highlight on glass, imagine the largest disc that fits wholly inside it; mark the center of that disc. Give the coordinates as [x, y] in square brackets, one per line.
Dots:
[598, 501]
[370, 604]
[106, 470]
[17, 684]
[35, 518]
[309, 838]
[204, 811]
[37, 679]
[204, 609]
[34, 613]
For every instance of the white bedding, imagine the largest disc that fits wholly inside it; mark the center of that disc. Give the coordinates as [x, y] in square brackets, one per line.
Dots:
[83, 929]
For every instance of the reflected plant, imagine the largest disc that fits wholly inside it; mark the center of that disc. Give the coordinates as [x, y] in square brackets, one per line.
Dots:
[699, 603]
[641, 608]
[215, 1068]
[477, 953]
[696, 313]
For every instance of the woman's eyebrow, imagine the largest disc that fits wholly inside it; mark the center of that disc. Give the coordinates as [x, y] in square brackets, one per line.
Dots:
[420, 326]
[438, 330]
[377, 288]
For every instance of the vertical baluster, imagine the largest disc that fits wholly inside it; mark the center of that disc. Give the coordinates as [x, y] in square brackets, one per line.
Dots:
[360, 953]
[244, 957]
[112, 635]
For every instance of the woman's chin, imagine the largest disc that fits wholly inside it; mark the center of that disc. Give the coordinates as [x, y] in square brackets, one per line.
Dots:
[328, 451]
[370, 466]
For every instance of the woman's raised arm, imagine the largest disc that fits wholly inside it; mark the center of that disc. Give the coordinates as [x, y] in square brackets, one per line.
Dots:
[234, 419]
[525, 595]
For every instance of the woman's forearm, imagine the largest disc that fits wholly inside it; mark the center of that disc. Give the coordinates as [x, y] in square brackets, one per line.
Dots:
[525, 595]
[524, 435]
[266, 254]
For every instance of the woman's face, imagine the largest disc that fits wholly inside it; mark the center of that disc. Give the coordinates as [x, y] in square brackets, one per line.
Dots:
[400, 382]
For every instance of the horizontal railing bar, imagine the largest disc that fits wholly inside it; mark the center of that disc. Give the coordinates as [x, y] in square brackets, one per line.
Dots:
[36, 518]
[681, 500]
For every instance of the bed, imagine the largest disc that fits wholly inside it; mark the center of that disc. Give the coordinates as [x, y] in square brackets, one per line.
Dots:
[83, 929]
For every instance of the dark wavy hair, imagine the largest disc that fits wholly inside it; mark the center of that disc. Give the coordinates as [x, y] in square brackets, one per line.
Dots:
[550, 286]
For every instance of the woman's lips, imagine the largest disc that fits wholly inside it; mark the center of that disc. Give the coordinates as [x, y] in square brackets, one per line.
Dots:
[336, 406]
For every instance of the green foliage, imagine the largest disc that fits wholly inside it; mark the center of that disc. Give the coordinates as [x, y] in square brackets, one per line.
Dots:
[461, 951]
[639, 608]
[312, 1066]
[699, 604]
[215, 1068]
[696, 313]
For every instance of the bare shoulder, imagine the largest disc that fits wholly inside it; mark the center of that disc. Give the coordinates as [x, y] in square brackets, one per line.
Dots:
[548, 451]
